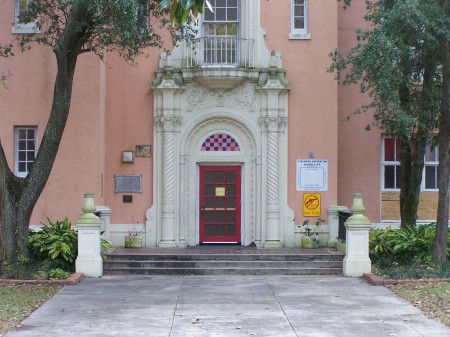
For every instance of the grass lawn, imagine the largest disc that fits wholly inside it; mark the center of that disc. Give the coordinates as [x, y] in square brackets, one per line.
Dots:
[18, 301]
[433, 299]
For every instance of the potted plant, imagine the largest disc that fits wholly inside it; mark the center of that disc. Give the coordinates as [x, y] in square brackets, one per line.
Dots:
[133, 239]
[310, 237]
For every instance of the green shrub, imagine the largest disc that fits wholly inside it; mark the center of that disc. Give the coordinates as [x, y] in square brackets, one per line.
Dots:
[396, 271]
[22, 269]
[58, 274]
[57, 242]
[56, 246]
[407, 246]
[105, 248]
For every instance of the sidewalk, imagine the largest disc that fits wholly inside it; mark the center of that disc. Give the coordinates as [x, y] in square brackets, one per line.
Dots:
[203, 306]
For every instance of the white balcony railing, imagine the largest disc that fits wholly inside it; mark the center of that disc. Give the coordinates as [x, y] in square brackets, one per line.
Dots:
[220, 51]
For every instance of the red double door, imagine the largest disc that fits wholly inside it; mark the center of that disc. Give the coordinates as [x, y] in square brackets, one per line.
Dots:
[220, 204]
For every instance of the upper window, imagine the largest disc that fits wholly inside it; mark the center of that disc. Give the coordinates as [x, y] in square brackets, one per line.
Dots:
[299, 20]
[390, 164]
[430, 171]
[25, 20]
[220, 33]
[25, 149]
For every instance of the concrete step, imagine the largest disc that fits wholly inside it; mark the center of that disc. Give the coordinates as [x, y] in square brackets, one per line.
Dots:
[224, 257]
[223, 264]
[223, 271]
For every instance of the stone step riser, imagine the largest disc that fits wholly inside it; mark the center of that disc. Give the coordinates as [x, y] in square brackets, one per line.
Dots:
[222, 264]
[226, 271]
[225, 257]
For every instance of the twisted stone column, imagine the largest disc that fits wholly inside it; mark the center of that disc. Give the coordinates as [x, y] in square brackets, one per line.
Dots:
[258, 211]
[168, 230]
[272, 125]
[182, 220]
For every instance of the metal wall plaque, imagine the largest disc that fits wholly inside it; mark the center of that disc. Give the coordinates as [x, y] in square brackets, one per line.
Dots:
[128, 183]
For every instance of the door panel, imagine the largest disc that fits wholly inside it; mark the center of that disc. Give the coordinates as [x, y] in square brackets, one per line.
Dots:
[220, 204]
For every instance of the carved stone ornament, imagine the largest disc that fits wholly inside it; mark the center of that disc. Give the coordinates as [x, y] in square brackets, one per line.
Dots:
[273, 123]
[168, 123]
[195, 96]
[243, 96]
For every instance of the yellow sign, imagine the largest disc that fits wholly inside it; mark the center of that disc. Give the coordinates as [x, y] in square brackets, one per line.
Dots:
[220, 191]
[311, 204]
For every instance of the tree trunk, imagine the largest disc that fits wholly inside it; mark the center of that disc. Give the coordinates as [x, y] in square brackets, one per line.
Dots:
[440, 238]
[411, 167]
[412, 154]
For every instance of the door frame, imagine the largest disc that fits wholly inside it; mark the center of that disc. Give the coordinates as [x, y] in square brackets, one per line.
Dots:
[240, 206]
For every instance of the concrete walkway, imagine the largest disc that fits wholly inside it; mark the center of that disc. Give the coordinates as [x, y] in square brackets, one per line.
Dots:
[234, 306]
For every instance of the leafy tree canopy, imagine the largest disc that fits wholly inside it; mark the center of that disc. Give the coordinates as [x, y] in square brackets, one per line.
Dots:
[389, 62]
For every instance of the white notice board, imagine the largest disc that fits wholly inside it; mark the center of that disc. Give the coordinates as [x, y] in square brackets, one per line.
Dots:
[312, 175]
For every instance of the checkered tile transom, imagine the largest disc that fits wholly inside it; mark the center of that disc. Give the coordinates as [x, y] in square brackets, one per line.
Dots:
[220, 142]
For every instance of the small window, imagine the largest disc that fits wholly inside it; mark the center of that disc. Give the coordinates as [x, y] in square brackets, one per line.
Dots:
[430, 171]
[25, 18]
[25, 149]
[299, 20]
[391, 164]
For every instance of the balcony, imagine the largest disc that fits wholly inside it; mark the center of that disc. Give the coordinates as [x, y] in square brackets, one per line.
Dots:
[220, 52]
[219, 62]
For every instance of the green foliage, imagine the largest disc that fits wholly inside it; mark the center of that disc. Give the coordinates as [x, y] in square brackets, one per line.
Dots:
[412, 244]
[54, 250]
[406, 252]
[390, 60]
[105, 248]
[126, 27]
[58, 274]
[21, 269]
[57, 242]
[412, 270]
[180, 10]
[307, 230]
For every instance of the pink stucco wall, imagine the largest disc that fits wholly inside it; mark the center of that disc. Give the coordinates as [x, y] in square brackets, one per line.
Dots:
[129, 110]
[359, 150]
[313, 94]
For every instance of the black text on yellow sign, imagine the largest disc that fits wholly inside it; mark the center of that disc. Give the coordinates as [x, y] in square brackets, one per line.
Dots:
[311, 204]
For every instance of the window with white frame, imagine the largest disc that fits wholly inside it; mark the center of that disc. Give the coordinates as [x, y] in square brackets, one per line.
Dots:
[221, 33]
[390, 164]
[299, 20]
[25, 20]
[430, 171]
[25, 149]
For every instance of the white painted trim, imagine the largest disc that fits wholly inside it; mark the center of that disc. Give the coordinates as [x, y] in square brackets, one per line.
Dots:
[299, 33]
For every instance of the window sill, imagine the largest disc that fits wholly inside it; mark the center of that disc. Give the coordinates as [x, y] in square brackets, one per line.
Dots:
[25, 30]
[306, 36]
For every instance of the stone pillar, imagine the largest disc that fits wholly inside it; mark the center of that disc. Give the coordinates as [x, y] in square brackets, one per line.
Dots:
[357, 261]
[273, 183]
[105, 217]
[258, 194]
[89, 260]
[168, 225]
[333, 222]
[182, 202]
